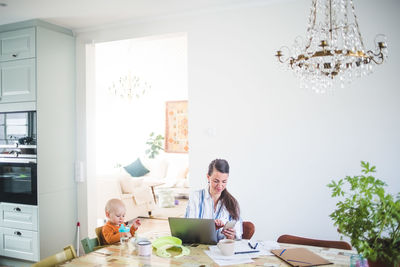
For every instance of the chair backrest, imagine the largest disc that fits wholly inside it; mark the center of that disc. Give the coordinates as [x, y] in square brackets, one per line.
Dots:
[67, 254]
[291, 239]
[99, 235]
[89, 244]
[248, 230]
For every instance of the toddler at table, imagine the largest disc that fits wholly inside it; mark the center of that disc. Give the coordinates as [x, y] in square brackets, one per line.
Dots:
[115, 212]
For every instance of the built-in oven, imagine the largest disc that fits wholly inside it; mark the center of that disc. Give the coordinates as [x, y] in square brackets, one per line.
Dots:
[18, 181]
[18, 163]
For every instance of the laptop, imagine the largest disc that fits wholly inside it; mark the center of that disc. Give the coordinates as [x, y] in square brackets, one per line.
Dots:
[191, 230]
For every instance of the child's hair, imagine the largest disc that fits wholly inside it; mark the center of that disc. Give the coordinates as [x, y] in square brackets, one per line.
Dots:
[113, 204]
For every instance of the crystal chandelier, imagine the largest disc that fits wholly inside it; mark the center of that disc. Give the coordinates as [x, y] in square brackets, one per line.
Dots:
[334, 50]
[129, 86]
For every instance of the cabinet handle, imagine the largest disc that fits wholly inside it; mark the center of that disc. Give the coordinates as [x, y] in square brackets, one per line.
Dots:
[18, 233]
[17, 209]
[14, 55]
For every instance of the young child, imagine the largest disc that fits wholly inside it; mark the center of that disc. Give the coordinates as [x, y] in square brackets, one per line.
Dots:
[115, 212]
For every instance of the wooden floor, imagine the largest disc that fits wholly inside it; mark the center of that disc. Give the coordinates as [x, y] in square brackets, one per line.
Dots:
[176, 211]
[153, 225]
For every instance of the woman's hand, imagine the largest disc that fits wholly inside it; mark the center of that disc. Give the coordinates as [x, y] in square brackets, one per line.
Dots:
[229, 233]
[218, 223]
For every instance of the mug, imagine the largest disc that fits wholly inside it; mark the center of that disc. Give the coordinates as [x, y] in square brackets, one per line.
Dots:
[144, 248]
[227, 247]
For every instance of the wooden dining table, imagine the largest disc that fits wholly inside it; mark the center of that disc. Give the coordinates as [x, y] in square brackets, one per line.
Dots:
[117, 255]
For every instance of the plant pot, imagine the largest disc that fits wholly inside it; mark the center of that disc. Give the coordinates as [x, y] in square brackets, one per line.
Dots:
[379, 263]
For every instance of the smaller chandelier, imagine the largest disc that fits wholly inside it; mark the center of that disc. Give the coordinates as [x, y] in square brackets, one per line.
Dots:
[129, 86]
[334, 50]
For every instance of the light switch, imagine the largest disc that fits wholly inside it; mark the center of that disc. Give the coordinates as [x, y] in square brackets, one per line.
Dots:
[79, 172]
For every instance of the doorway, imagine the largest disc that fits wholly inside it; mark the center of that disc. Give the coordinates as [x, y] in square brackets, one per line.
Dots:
[136, 82]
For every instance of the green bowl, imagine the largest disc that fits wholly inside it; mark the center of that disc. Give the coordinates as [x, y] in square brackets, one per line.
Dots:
[166, 240]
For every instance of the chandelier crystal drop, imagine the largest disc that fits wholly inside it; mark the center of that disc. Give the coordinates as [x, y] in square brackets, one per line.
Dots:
[333, 51]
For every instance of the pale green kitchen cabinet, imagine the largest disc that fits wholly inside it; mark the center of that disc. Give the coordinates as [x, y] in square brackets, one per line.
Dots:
[37, 73]
[18, 66]
[17, 44]
[18, 81]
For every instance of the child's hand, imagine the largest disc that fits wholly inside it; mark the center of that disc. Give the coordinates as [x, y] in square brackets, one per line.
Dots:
[136, 224]
[127, 234]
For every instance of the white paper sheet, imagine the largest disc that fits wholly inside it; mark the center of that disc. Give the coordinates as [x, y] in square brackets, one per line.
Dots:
[264, 248]
[222, 260]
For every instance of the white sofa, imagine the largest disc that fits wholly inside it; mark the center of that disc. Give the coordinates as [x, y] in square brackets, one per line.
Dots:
[139, 193]
[167, 170]
[137, 197]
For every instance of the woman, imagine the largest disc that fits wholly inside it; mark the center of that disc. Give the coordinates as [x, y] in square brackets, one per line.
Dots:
[215, 202]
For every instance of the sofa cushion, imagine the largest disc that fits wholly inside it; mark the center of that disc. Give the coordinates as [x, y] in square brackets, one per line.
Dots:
[158, 167]
[136, 169]
[127, 182]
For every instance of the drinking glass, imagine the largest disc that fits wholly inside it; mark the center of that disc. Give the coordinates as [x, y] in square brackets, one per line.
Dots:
[358, 261]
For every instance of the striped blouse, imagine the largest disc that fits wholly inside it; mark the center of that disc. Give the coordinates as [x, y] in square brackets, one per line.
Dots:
[201, 205]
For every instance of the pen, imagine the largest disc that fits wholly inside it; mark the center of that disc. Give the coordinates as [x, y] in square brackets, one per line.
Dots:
[252, 246]
[245, 252]
[282, 251]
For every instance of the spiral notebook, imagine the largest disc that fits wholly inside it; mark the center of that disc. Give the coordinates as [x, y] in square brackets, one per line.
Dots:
[300, 257]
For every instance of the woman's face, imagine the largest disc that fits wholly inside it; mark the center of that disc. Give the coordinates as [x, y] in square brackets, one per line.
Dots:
[217, 181]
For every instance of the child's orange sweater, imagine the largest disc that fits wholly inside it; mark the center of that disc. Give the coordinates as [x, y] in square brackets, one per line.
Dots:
[111, 235]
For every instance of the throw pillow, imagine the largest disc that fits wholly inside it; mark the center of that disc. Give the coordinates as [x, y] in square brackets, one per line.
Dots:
[136, 169]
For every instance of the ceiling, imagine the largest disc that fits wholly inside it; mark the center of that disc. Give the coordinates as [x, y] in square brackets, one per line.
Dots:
[85, 14]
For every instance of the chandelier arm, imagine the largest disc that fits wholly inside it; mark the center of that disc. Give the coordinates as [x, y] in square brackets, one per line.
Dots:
[374, 57]
[292, 62]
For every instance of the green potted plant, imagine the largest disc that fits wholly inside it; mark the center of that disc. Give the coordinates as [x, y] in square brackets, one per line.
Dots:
[368, 216]
[155, 143]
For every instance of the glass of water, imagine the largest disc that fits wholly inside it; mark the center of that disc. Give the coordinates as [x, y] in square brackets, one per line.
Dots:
[358, 261]
[124, 241]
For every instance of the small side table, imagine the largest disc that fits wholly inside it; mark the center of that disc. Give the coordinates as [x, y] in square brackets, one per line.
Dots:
[153, 184]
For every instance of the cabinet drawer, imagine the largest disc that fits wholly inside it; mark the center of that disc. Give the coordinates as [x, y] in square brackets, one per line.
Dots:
[18, 81]
[19, 216]
[21, 244]
[18, 44]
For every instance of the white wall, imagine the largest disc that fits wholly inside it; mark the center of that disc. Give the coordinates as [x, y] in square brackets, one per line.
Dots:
[284, 144]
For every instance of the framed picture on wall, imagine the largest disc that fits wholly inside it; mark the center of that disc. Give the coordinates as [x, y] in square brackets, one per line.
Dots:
[176, 127]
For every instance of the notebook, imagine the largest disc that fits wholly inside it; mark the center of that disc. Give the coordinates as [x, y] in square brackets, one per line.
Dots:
[193, 231]
[300, 257]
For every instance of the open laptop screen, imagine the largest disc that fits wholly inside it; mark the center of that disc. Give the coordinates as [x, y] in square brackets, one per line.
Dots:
[191, 230]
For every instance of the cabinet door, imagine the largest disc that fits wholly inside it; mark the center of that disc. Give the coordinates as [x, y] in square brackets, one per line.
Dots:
[1, 242]
[18, 81]
[18, 44]
[19, 216]
[21, 244]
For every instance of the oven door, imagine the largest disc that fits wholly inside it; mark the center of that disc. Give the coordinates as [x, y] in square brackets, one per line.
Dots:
[18, 181]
